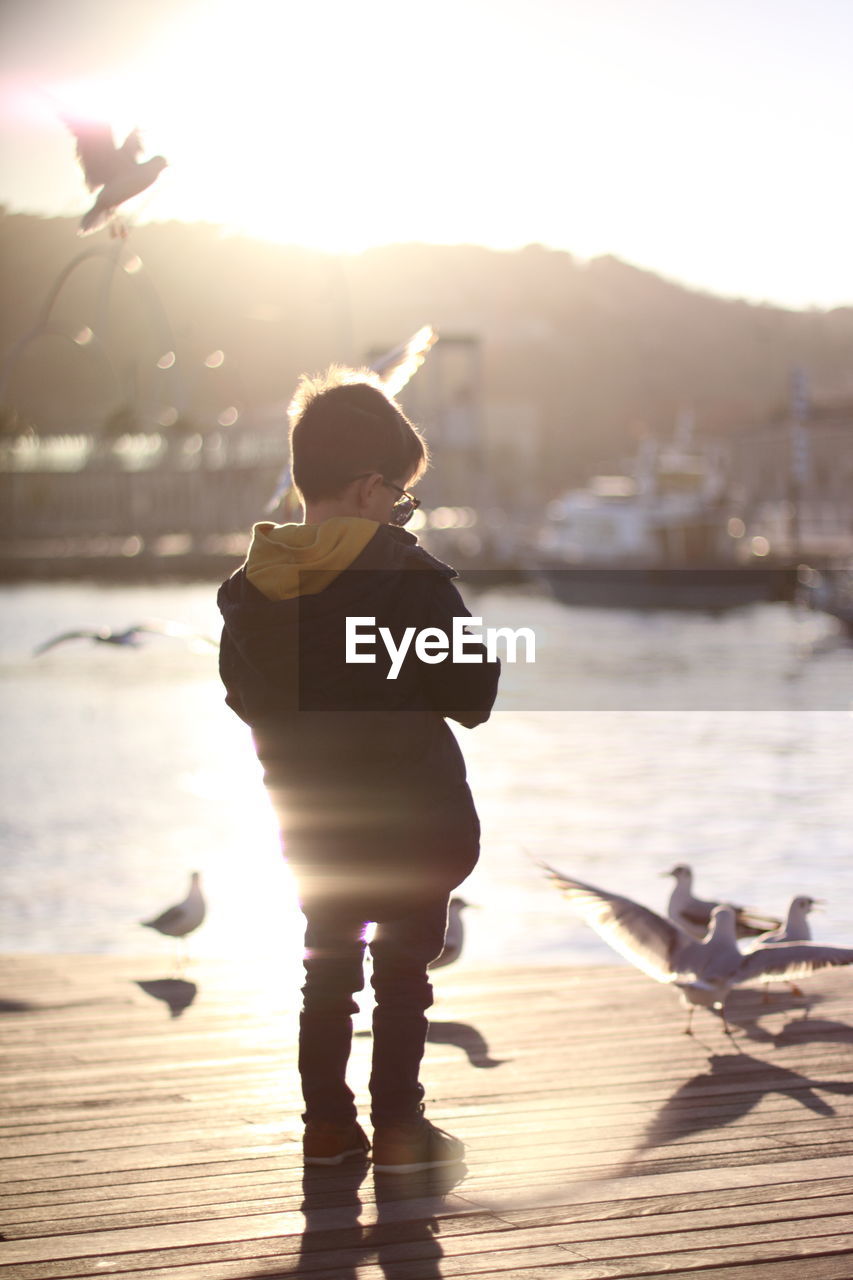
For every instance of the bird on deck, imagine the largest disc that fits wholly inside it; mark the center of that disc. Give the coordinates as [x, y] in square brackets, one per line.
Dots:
[703, 971]
[117, 171]
[184, 917]
[694, 914]
[130, 637]
[454, 937]
[796, 928]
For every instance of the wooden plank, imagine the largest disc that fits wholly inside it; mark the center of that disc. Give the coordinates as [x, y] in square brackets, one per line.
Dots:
[605, 1145]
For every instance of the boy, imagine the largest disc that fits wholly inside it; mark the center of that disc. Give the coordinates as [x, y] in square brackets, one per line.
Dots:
[366, 777]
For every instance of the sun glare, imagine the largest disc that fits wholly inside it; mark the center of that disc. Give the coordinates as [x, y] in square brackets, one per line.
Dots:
[585, 126]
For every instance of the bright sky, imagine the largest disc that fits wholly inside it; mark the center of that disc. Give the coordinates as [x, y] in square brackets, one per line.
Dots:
[708, 140]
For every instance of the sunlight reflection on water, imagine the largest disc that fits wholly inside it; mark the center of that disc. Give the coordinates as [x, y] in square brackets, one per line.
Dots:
[123, 771]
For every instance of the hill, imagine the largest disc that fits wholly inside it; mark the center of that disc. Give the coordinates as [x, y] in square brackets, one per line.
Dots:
[586, 355]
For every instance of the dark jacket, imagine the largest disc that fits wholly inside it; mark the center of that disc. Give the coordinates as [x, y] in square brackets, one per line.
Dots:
[365, 774]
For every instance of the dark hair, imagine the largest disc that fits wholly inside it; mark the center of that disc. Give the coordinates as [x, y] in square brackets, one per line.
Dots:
[343, 424]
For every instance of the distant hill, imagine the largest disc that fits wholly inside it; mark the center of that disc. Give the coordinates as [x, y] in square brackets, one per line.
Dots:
[594, 353]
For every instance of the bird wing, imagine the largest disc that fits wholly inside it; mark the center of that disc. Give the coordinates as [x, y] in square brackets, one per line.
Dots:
[164, 627]
[639, 934]
[60, 639]
[96, 150]
[791, 960]
[396, 367]
[751, 923]
[131, 148]
[172, 916]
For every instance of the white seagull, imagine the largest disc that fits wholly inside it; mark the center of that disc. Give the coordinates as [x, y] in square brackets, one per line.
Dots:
[694, 914]
[178, 921]
[454, 937]
[796, 928]
[703, 971]
[115, 170]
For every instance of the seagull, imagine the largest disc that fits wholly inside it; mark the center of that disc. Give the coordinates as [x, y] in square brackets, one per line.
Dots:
[454, 937]
[129, 638]
[116, 170]
[397, 366]
[703, 971]
[186, 916]
[694, 914]
[796, 928]
[394, 368]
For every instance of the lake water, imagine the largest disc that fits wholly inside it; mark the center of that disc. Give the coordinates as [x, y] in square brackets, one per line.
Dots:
[625, 749]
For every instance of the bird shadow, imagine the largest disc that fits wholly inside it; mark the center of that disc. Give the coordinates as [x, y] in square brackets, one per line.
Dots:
[467, 1038]
[176, 993]
[463, 1036]
[698, 1105]
[746, 1006]
[12, 1006]
[806, 1030]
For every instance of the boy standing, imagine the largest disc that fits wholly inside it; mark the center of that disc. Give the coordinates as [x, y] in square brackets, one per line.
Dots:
[366, 777]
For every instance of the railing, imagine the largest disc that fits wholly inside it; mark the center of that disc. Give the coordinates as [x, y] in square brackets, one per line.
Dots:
[138, 486]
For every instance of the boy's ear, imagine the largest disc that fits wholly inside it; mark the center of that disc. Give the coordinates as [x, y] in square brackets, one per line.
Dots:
[369, 485]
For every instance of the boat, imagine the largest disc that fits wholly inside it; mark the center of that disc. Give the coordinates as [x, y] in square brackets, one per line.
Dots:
[660, 536]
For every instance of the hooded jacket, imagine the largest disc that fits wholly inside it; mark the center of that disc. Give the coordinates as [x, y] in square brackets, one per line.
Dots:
[366, 776]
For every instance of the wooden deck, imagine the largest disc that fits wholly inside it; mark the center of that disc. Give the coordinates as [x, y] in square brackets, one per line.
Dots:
[601, 1141]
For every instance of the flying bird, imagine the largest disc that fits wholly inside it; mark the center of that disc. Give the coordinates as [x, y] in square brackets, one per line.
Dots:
[703, 971]
[129, 638]
[185, 917]
[694, 914]
[394, 368]
[454, 937]
[117, 171]
[397, 366]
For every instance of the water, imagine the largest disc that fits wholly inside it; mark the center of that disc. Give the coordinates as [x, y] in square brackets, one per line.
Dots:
[122, 771]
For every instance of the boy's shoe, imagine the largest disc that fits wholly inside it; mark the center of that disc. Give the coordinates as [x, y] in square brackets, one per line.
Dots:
[328, 1142]
[412, 1146]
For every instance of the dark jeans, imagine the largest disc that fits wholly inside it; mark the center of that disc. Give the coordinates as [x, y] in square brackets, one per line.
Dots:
[334, 954]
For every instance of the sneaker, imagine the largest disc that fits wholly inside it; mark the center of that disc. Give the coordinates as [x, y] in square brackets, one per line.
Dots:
[411, 1146]
[328, 1142]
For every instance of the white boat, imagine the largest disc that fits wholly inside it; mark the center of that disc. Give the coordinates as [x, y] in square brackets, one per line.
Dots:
[659, 537]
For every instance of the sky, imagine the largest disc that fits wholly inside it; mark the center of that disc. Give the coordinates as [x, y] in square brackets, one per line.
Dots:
[707, 140]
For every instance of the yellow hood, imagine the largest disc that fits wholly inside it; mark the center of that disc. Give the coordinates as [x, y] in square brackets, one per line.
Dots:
[280, 554]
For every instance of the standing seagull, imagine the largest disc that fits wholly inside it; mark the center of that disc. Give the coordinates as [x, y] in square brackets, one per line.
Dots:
[116, 170]
[454, 937]
[704, 972]
[694, 914]
[795, 929]
[178, 921]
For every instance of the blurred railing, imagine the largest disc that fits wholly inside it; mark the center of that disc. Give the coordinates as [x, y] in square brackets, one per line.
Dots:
[143, 486]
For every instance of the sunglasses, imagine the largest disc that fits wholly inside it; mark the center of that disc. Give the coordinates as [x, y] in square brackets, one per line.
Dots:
[405, 506]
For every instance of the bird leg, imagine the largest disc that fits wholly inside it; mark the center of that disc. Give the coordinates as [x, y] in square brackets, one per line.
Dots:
[688, 1030]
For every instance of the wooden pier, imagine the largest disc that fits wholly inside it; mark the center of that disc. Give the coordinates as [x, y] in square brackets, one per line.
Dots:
[151, 1127]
